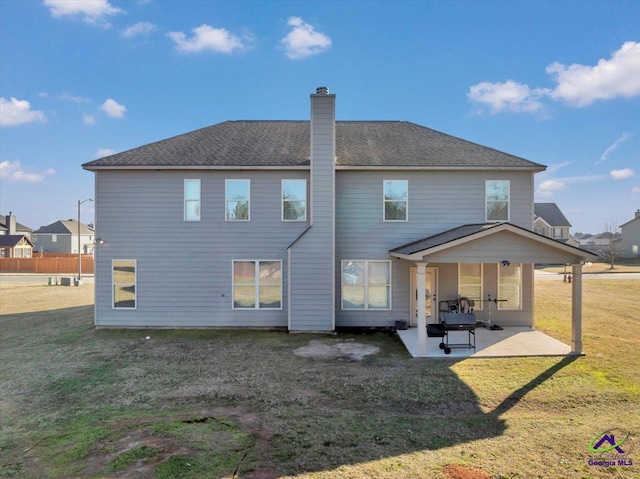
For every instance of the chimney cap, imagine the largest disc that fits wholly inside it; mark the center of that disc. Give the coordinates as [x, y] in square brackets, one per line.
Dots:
[322, 90]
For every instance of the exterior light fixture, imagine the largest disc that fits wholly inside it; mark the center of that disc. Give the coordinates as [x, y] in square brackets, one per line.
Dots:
[99, 241]
[505, 262]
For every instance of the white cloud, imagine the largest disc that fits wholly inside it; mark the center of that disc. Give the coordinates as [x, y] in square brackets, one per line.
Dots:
[621, 174]
[303, 41]
[552, 185]
[88, 119]
[636, 189]
[102, 152]
[76, 99]
[14, 172]
[508, 96]
[205, 37]
[616, 144]
[617, 77]
[577, 85]
[42, 94]
[548, 187]
[17, 112]
[113, 108]
[139, 29]
[91, 11]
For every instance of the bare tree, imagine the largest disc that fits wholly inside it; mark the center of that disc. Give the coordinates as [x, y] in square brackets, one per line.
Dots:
[611, 251]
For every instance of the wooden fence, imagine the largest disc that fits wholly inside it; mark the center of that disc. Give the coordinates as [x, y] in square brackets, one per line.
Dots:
[46, 265]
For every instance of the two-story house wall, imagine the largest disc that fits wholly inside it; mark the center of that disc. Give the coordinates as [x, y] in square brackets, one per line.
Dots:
[313, 225]
[629, 243]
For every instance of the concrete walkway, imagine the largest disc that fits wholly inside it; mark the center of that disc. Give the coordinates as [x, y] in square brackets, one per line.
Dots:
[510, 342]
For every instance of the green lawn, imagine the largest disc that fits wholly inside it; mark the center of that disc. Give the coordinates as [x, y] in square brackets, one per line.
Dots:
[76, 402]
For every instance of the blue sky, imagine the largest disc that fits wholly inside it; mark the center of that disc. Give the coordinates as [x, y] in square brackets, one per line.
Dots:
[557, 83]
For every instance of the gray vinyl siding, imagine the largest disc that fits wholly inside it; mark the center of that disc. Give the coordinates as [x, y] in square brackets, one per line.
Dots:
[184, 268]
[438, 201]
[630, 237]
[64, 244]
[312, 256]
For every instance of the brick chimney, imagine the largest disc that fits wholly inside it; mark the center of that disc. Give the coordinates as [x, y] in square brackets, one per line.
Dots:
[637, 213]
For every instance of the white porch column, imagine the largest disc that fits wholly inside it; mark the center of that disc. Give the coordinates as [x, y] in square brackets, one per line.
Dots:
[576, 309]
[422, 320]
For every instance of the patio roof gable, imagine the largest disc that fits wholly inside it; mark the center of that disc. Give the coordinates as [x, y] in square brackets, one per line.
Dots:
[491, 243]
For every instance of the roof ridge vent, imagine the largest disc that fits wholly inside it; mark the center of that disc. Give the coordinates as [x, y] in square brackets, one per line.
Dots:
[322, 90]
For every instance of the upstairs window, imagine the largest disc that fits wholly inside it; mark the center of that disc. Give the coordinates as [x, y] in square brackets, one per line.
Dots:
[294, 200]
[470, 282]
[510, 286]
[192, 200]
[497, 200]
[237, 200]
[54, 238]
[396, 200]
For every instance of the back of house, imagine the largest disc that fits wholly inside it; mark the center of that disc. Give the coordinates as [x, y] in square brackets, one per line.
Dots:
[314, 225]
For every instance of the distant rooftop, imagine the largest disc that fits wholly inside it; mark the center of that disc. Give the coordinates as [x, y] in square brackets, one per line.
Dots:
[551, 214]
[65, 227]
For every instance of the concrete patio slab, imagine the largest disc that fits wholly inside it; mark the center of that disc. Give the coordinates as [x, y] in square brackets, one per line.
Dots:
[509, 342]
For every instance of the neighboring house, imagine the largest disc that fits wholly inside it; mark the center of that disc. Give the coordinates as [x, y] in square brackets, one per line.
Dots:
[550, 222]
[599, 241]
[9, 223]
[62, 237]
[14, 238]
[313, 225]
[630, 238]
[15, 246]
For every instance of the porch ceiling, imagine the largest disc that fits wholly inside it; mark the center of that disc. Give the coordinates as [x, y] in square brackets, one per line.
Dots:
[491, 243]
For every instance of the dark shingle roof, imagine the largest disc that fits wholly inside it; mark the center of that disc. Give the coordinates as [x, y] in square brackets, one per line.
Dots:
[443, 238]
[551, 214]
[286, 144]
[12, 240]
[64, 227]
[19, 227]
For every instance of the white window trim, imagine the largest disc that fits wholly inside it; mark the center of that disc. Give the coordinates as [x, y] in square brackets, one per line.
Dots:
[282, 200]
[486, 203]
[384, 203]
[135, 285]
[366, 285]
[504, 306]
[256, 285]
[479, 304]
[226, 199]
[184, 198]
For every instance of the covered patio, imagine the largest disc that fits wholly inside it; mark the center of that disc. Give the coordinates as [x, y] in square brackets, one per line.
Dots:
[495, 244]
[509, 342]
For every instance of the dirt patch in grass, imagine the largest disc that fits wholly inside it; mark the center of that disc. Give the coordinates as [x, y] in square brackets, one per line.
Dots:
[336, 348]
[144, 447]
